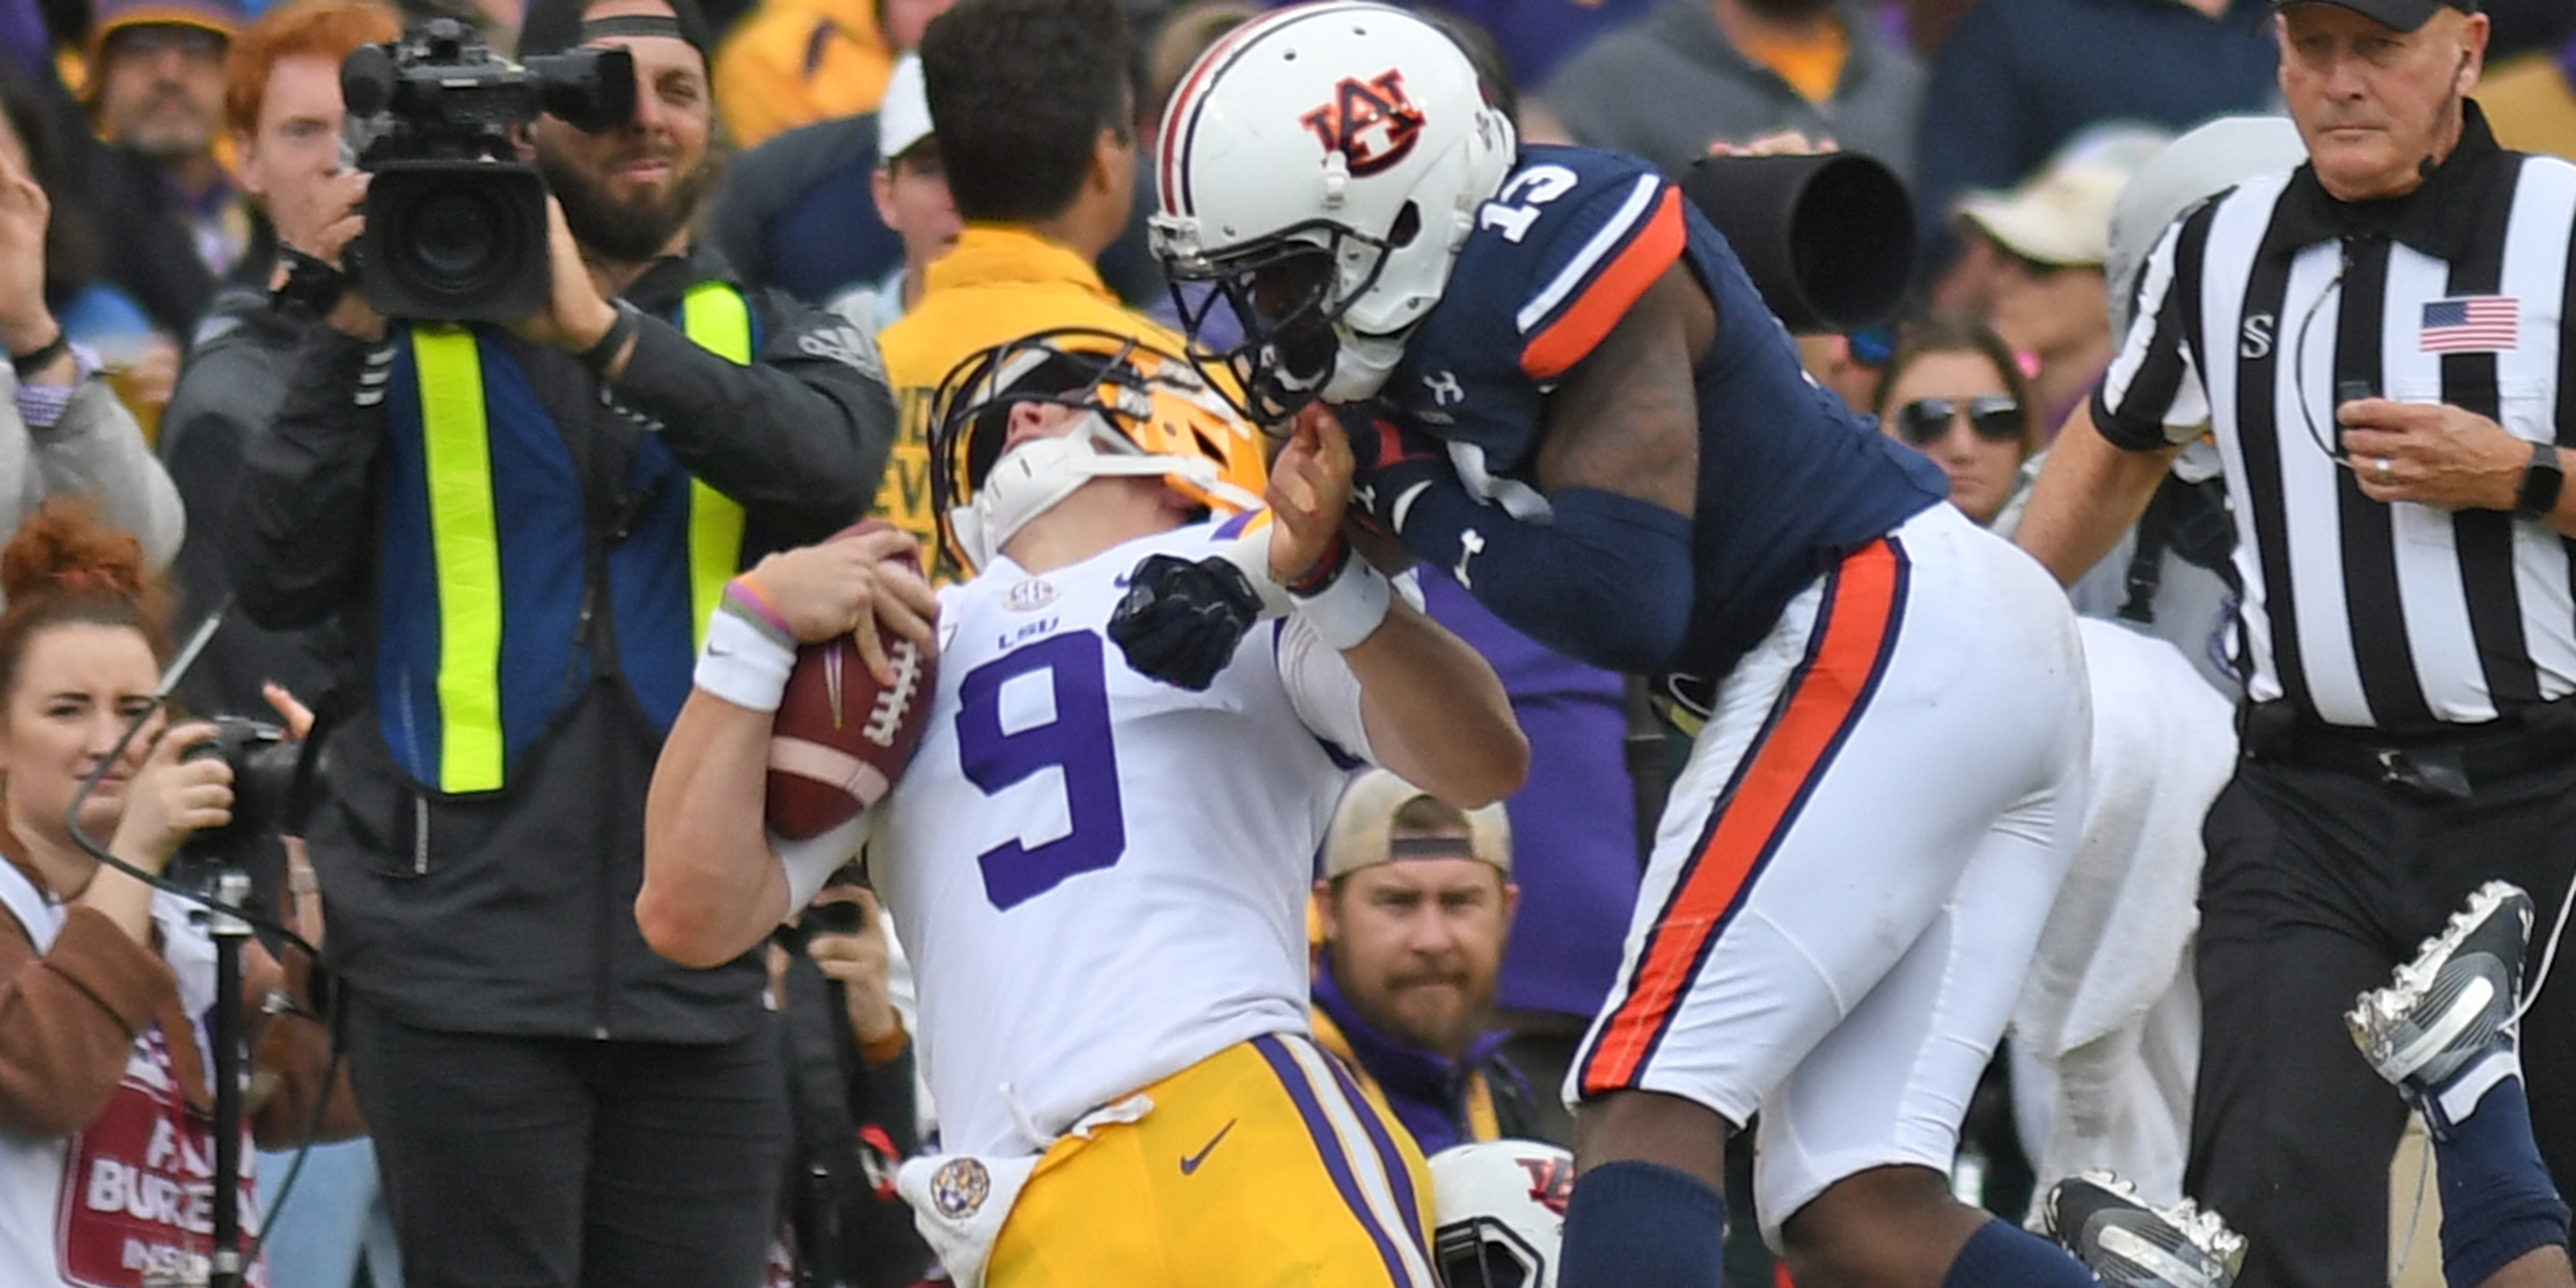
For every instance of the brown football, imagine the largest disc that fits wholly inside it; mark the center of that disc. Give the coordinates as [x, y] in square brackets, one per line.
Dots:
[840, 739]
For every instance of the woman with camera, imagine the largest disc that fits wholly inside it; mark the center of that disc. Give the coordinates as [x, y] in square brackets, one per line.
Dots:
[106, 985]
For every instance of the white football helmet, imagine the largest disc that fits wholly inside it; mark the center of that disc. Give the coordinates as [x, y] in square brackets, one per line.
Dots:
[1320, 167]
[1501, 1208]
[1144, 413]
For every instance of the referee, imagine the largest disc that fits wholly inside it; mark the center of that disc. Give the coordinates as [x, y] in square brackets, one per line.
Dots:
[2375, 341]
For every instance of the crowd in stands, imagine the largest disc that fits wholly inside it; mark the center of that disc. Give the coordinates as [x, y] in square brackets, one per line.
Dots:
[190, 437]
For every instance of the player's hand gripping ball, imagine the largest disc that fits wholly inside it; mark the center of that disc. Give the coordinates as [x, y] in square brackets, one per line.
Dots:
[840, 738]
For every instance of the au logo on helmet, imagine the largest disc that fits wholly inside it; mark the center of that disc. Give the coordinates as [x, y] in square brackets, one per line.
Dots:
[1370, 121]
[1551, 1181]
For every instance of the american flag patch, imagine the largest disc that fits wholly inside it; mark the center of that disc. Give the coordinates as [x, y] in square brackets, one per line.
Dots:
[2477, 324]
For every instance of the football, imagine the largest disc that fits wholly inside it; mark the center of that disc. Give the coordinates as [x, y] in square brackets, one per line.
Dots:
[840, 739]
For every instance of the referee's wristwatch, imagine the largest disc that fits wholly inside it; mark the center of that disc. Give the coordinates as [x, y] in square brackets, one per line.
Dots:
[2541, 481]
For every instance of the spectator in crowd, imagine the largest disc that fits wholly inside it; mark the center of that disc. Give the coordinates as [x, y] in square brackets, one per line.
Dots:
[796, 62]
[156, 84]
[911, 193]
[282, 103]
[1730, 70]
[850, 1091]
[2017, 78]
[2406, 730]
[63, 430]
[2046, 242]
[1416, 903]
[531, 606]
[1036, 127]
[100, 975]
[798, 213]
[1954, 393]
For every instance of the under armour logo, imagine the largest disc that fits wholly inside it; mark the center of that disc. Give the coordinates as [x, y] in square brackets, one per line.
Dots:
[1444, 387]
[1471, 543]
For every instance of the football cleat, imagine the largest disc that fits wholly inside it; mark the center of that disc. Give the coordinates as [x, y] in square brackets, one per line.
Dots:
[2130, 1243]
[2452, 1007]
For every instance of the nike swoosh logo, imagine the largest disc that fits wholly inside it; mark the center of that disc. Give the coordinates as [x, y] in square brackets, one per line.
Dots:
[1120, 581]
[1190, 1163]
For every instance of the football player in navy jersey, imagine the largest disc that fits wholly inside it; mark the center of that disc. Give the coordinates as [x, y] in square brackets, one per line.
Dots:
[1566, 391]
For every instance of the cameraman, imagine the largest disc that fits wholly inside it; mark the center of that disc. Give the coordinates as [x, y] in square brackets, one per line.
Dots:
[526, 569]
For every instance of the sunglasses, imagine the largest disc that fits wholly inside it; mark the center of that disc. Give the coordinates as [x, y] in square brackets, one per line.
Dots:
[1996, 418]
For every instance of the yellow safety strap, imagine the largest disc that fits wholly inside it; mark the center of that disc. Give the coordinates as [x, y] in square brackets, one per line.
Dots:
[716, 317]
[465, 541]
[465, 535]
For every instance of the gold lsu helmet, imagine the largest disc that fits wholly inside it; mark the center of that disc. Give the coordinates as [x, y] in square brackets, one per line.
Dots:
[1149, 412]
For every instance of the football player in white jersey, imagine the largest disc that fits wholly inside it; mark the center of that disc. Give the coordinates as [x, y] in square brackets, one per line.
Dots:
[1100, 876]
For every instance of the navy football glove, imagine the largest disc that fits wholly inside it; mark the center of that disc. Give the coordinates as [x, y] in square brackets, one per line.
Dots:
[1390, 462]
[1180, 621]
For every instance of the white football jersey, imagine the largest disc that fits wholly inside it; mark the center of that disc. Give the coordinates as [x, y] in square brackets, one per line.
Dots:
[1101, 878]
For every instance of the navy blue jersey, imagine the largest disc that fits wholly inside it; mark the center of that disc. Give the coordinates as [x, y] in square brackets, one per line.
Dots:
[1790, 480]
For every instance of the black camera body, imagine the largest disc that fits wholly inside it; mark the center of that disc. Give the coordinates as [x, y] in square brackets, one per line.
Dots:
[456, 223]
[263, 762]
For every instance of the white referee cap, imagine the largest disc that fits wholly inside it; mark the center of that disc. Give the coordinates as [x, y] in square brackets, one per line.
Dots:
[903, 118]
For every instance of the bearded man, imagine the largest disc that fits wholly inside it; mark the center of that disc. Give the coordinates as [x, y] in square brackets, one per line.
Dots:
[1730, 71]
[526, 527]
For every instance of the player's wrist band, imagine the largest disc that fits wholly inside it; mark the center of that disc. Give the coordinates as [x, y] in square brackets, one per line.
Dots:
[1328, 566]
[745, 661]
[1349, 606]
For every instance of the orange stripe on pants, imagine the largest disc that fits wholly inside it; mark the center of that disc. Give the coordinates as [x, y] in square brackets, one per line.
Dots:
[1827, 695]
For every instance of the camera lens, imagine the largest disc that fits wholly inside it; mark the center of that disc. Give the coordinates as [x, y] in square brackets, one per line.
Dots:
[454, 237]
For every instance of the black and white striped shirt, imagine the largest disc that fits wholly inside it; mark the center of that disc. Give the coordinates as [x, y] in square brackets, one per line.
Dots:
[2270, 298]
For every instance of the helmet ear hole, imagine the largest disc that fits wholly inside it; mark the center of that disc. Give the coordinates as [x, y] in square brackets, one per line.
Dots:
[1408, 225]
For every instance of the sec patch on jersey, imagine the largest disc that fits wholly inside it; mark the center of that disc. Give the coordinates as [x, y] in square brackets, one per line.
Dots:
[840, 739]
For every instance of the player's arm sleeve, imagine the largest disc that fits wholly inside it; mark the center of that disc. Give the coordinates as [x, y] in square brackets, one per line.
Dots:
[810, 862]
[1321, 687]
[1600, 577]
[2153, 396]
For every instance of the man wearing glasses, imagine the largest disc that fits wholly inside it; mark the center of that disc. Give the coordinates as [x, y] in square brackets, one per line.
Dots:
[156, 94]
[2376, 340]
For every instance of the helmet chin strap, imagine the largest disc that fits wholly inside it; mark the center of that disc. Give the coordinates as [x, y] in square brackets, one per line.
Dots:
[1038, 475]
[1361, 364]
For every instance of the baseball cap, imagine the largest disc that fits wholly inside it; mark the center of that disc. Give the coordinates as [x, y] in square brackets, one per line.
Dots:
[1363, 831]
[903, 117]
[223, 17]
[553, 26]
[2396, 15]
[2062, 215]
